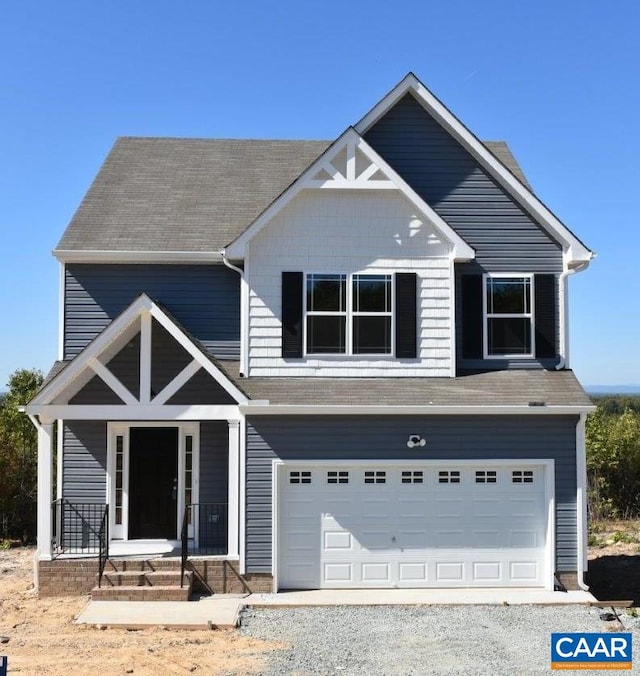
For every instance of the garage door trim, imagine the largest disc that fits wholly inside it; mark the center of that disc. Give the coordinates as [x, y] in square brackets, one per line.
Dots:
[279, 467]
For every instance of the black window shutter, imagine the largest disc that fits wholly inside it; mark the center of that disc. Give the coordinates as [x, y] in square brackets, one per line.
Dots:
[292, 314]
[545, 316]
[472, 328]
[406, 311]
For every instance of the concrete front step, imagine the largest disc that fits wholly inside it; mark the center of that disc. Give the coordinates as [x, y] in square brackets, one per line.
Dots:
[141, 593]
[148, 578]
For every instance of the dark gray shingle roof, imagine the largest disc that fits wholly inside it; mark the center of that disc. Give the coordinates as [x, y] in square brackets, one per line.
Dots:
[173, 194]
[170, 194]
[496, 388]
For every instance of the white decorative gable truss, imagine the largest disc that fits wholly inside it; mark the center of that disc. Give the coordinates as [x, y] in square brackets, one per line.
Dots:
[350, 163]
[52, 402]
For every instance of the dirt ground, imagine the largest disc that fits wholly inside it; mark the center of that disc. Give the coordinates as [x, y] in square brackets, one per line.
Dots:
[44, 640]
[614, 561]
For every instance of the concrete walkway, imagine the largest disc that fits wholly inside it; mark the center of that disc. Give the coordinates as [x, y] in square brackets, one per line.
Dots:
[222, 611]
[419, 597]
[211, 612]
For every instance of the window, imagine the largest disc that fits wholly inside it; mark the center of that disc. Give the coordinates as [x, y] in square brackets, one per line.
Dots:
[522, 476]
[449, 477]
[326, 314]
[119, 478]
[299, 477]
[338, 477]
[375, 477]
[508, 316]
[349, 315]
[412, 477]
[486, 476]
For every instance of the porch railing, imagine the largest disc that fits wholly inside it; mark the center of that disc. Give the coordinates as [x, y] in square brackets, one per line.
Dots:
[103, 538]
[204, 531]
[81, 528]
[76, 526]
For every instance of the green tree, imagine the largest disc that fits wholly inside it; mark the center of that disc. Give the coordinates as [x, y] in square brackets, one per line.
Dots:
[18, 458]
[613, 463]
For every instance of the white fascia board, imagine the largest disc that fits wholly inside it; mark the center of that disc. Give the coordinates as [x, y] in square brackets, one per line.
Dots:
[461, 250]
[168, 257]
[134, 413]
[92, 351]
[292, 409]
[576, 250]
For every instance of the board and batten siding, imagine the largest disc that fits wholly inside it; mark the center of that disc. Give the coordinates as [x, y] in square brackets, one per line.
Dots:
[371, 438]
[505, 237]
[369, 232]
[205, 299]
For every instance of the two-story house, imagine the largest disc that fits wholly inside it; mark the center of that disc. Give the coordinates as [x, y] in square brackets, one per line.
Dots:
[317, 364]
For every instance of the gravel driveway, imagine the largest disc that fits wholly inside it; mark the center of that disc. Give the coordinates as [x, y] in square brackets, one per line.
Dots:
[380, 640]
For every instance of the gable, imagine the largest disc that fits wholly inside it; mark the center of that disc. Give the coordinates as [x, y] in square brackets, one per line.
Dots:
[350, 164]
[143, 358]
[461, 191]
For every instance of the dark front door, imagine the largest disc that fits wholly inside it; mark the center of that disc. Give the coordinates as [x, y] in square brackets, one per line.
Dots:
[153, 482]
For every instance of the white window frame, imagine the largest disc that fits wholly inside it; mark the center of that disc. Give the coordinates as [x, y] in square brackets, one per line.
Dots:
[349, 313]
[121, 531]
[521, 315]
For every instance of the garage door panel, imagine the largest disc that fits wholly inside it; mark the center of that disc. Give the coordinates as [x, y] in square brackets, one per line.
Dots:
[413, 528]
[487, 572]
[338, 540]
[448, 508]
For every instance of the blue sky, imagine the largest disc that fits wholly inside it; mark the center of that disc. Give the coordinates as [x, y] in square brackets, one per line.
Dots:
[559, 81]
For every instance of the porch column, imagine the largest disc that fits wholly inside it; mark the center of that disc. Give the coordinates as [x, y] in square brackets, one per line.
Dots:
[233, 506]
[45, 477]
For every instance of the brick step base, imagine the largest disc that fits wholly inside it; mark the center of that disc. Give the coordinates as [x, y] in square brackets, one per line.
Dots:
[139, 593]
[147, 578]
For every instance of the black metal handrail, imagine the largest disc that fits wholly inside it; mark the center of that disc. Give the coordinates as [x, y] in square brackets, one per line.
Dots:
[209, 522]
[103, 537]
[76, 526]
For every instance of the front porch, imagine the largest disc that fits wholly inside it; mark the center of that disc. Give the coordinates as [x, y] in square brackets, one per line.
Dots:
[149, 450]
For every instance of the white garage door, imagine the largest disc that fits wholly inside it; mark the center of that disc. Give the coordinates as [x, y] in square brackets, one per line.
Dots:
[430, 526]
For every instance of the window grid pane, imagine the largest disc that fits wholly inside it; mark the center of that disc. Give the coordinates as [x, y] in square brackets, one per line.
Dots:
[119, 478]
[508, 316]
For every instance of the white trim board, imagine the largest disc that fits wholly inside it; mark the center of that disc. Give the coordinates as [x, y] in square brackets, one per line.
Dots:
[263, 408]
[165, 257]
[350, 139]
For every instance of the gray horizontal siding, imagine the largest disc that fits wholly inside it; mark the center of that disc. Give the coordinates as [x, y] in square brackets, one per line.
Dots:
[214, 461]
[84, 467]
[205, 299]
[363, 438]
[452, 182]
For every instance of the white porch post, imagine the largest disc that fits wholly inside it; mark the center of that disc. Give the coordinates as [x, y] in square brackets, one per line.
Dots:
[45, 476]
[233, 507]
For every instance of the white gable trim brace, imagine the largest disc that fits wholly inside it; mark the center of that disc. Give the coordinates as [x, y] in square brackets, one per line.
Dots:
[350, 142]
[145, 309]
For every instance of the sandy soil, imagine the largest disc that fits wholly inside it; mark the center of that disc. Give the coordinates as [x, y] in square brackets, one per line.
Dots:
[44, 640]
